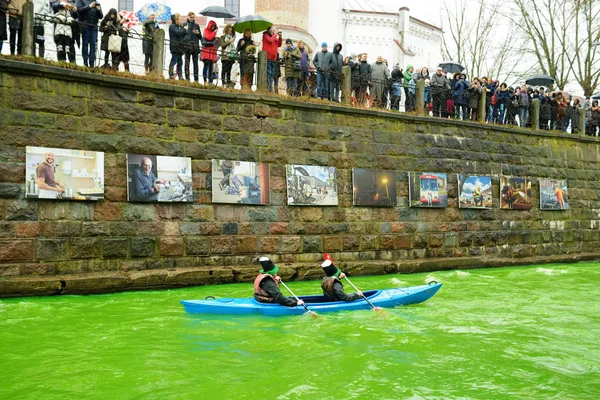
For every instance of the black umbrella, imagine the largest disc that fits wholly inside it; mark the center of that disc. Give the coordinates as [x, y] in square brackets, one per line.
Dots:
[540, 80]
[255, 23]
[452, 66]
[217, 12]
[596, 96]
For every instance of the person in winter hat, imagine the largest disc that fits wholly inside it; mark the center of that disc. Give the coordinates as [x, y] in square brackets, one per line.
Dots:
[332, 284]
[266, 285]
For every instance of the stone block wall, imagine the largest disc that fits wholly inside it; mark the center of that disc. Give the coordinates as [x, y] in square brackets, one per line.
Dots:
[81, 247]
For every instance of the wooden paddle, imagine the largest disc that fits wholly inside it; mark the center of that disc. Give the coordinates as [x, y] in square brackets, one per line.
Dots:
[312, 313]
[326, 256]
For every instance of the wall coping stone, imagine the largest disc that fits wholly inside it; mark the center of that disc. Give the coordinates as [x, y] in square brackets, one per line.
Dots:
[31, 69]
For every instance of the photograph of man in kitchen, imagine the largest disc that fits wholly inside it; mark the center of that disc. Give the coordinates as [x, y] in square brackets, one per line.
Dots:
[159, 178]
[64, 174]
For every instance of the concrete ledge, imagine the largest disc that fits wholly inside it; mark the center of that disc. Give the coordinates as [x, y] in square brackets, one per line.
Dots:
[174, 278]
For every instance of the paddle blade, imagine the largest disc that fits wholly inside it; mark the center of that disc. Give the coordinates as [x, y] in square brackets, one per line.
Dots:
[313, 314]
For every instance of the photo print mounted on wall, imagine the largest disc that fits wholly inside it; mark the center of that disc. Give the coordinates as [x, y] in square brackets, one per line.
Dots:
[159, 178]
[515, 193]
[373, 187]
[554, 194]
[64, 174]
[310, 185]
[240, 182]
[475, 191]
[428, 189]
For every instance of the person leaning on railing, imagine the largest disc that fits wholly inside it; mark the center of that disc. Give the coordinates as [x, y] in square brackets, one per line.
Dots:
[291, 56]
[246, 49]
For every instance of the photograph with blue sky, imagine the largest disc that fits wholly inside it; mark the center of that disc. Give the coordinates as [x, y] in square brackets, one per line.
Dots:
[475, 191]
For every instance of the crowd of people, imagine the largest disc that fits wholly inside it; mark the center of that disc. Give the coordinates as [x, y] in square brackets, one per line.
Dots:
[80, 22]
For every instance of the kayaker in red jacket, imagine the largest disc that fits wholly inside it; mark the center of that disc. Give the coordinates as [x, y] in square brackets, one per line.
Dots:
[332, 284]
[266, 285]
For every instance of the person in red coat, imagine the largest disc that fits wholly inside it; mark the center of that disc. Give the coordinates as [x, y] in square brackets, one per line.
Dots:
[271, 41]
[209, 50]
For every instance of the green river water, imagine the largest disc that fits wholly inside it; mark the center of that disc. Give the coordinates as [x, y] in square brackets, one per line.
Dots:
[511, 333]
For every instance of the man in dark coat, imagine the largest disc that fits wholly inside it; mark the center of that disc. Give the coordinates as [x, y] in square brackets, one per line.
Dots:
[192, 45]
[90, 12]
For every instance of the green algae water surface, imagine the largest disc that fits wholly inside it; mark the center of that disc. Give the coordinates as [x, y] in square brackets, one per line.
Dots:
[511, 333]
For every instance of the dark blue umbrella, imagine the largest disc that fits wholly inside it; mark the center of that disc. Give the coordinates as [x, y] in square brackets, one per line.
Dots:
[216, 12]
[540, 80]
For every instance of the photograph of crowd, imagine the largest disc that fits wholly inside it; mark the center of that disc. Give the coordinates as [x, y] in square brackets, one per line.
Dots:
[428, 189]
[475, 191]
[240, 182]
[310, 185]
[373, 187]
[64, 174]
[159, 178]
[515, 193]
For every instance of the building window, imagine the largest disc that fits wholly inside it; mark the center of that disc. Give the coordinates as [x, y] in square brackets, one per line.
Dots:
[233, 6]
[125, 5]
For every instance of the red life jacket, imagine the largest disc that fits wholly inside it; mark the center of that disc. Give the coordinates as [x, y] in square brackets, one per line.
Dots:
[260, 294]
[327, 286]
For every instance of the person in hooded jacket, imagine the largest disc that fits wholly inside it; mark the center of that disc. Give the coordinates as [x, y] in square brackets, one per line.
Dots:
[291, 56]
[272, 40]
[176, 36]
[266, 285]
[380, 75]
[408, 76]
[332, 283]
[192, 46]
[149, 26]
[109, 26]
[460, 88]
[209, 50]
[337, 62]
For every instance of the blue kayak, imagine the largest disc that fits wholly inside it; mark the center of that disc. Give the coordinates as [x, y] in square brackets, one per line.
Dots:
[380, 298]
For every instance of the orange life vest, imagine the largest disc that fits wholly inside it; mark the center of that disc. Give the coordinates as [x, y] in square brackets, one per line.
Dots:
[260, 294]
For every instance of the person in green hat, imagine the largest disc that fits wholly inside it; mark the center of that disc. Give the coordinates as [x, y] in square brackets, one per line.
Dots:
[332, 284]
[266, 285]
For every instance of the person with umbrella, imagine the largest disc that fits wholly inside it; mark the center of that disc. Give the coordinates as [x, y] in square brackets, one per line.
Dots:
[90, 12]
[271, 41]
[192, 45]
[209, 50]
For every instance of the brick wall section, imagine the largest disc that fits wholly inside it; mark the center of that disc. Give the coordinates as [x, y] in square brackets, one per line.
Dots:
[41, 240]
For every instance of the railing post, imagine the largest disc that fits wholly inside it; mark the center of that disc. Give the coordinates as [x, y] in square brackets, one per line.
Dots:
[420, 97]
[261, 71]
[158, 53]
[481, 109]
[581, 117]
[346, 85]
[535, 114]
[27, 29]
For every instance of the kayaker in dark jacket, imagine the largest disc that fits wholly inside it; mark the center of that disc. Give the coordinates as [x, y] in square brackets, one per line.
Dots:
[266, 285]
[332, 284]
